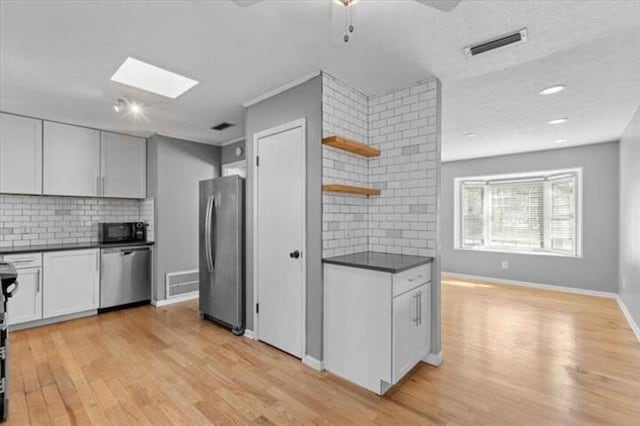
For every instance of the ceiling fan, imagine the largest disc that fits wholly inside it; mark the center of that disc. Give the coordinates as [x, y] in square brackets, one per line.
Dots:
[442, 5]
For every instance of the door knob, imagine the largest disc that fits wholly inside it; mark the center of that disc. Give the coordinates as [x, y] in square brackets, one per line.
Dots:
[294, 254]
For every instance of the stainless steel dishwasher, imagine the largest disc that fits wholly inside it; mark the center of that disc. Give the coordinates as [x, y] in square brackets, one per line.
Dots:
[125, 276]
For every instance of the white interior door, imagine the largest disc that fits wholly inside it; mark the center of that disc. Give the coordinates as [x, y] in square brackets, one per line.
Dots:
[280, 234]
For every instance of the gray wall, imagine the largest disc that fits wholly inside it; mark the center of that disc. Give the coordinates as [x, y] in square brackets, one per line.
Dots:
[597, 270]
[630, 218]
[303, 101]
[174, 168]
[229, 152]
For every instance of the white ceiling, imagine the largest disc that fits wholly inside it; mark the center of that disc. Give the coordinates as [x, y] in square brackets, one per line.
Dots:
[56, 59]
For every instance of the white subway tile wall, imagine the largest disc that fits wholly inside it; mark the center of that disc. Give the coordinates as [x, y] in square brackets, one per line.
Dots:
[403, 124]
[344, 218]
[29, 220]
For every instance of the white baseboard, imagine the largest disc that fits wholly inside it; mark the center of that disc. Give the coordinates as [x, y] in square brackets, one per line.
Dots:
[176, 299]
[627, 314]
[434, 359]
[563, 289]
[250, 334]
[313, 363]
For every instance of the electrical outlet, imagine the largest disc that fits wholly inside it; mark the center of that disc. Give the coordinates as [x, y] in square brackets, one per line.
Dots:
[505, 264]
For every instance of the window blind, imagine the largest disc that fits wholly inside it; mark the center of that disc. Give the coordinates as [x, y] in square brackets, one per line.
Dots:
[517, 215]
[473, 215]
[563, 223]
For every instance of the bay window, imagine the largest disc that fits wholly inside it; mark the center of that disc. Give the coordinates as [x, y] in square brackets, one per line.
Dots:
[527, 212]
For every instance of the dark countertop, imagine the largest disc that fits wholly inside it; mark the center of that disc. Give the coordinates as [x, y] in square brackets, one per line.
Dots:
[384, 262]
[68, 246]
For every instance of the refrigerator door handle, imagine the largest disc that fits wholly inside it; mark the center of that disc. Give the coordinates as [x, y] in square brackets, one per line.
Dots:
[207, 232]
[214, 223]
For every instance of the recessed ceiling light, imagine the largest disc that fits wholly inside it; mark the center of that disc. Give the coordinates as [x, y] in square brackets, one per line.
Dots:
[558, 121]
[470, 135]
[561, 140]
[553, 89]
[153, 79]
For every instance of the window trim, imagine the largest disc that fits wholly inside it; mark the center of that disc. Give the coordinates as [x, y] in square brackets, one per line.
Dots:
[508, 177]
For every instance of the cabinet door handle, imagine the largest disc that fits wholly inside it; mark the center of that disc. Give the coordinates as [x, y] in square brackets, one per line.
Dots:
[38, 281]
[420, 307]
[415, 296]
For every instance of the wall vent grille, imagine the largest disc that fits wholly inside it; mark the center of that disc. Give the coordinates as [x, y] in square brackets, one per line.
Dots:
[182, 283]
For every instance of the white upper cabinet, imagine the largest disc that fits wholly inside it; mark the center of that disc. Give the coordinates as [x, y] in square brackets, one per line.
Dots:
[123, 166]
[20, 154]
[42, 157]
[71, 160]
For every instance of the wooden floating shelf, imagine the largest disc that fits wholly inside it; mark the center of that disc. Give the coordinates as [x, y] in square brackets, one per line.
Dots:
[351, 146]
[348, 189]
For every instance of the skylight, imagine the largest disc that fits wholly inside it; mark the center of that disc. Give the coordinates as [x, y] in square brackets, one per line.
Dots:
[152, 79]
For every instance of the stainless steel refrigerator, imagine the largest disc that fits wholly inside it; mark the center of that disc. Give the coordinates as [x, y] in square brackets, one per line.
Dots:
[221, 255]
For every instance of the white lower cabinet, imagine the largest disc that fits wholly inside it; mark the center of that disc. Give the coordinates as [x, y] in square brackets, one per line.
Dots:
[26, 303]
[405, 315]
[71, 282]
[411, 329]
[54, 284]
[377, 325]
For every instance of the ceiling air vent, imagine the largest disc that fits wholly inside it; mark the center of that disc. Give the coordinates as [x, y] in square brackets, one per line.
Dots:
[497, 43]
[222, 126]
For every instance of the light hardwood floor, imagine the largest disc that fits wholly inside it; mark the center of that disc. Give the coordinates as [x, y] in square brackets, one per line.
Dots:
[512, 356]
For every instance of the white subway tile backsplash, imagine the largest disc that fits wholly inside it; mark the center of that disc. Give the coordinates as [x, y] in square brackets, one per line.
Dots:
[30, 220]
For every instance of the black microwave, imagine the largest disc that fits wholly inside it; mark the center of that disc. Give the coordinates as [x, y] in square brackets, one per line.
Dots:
[122, 232]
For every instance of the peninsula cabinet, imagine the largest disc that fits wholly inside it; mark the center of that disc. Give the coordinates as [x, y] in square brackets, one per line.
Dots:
[71, 160]
[20, 154]
[123, 166]
[377, 325]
